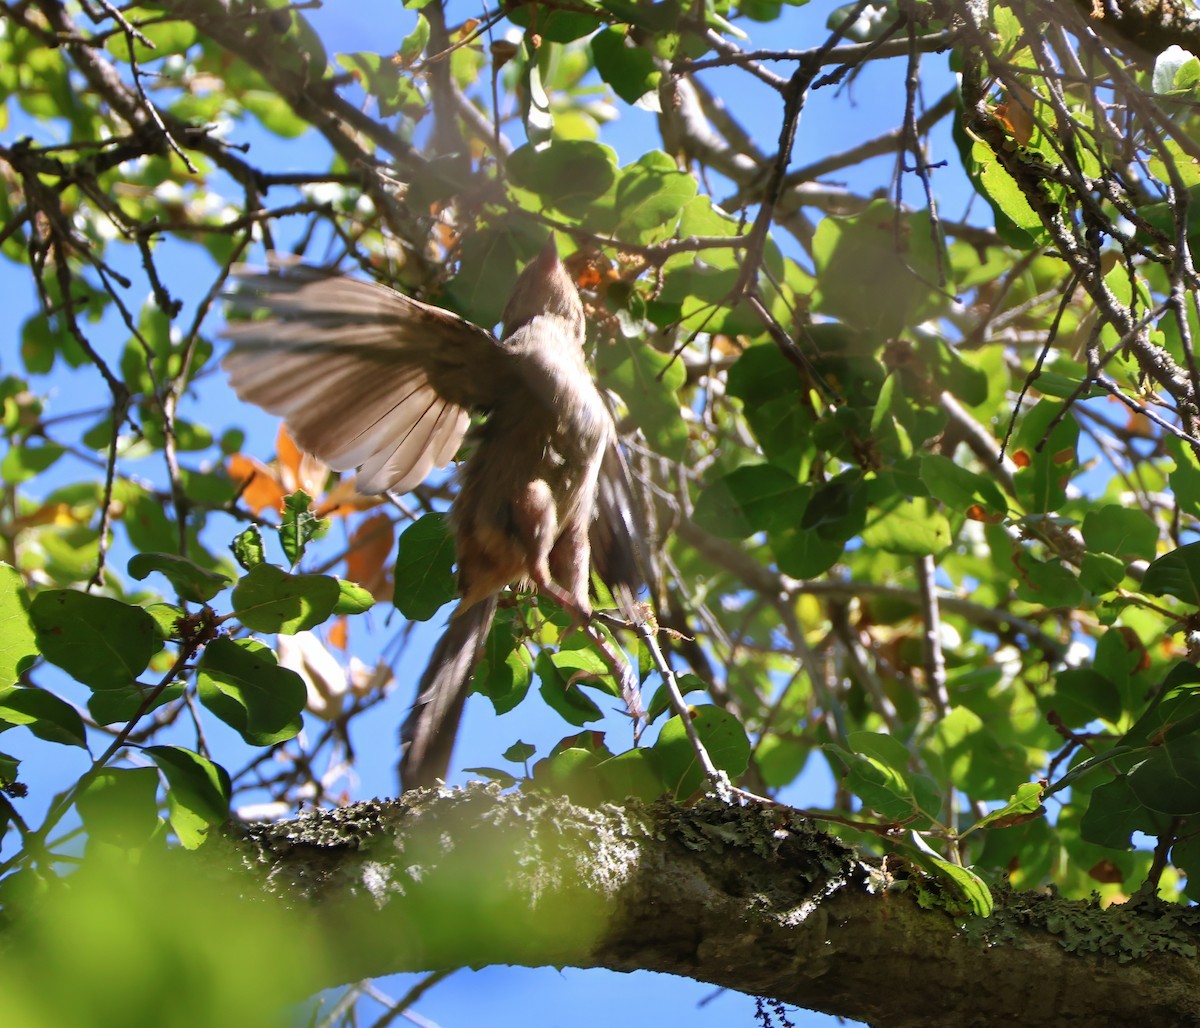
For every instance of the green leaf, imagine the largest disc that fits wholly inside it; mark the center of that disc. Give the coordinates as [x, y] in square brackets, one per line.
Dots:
[423, 576]
[519, 752]
[1125, 532]
[26, 461]
[660, 17]
[892, 254]
[1185, 855]
[1114, 813]
[649, 383]
[1023, 805]
[567, 700]
[967, 883]
[119, 806]
[1100, 573]
[247, 548]
[701, 217]
[772, 393]
[47, 716]
[552, 24]
[1168, 780]
[660, 702]
[151, 529]
[1044, 448]
[242, 683]
[172, 36]
[837, 510]
[1174, 710]
[959, 488]
[750, 499]
[274, 113]
[192, 582]
[101, 642]
[577, 656]
[18, 644]
[886, 749]
[937, 361]
[270, 600]
[724, 740]
[413, 45]
[804, 554]
[696, 292]
[503, 673]
[1016, 222]
[299, 526]
[1185, 478]
[651, 192]
[493, 774]
[1047, 582]
[1175, 574]
[571, 772]
[1082, 695]
[630, 70]
[963, 749]
[8, 769]
[568, 175]
[907, 527]
[780, 760]
[111, 706]
[198, 792]
[881, 788]
[383, 78]
[352, 598]
[635, 772]
[166, 618]
[70, 553]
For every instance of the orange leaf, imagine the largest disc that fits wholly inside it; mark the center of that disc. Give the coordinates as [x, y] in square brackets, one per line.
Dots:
[369, 561]
[1107, 872]
[339, 633]
[59, 514]
[977, 513]
[1017, 114]
[261, 489]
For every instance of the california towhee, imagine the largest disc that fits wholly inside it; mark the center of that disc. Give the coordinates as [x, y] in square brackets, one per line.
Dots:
[367, 377]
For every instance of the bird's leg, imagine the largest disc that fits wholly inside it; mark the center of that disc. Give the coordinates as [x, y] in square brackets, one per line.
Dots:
[558, 564]
[569, 563]
[621, 669]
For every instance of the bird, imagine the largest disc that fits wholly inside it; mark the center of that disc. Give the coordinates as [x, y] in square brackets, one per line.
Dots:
[366, 377]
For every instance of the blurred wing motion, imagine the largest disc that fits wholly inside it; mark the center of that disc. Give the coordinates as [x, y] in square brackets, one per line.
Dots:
[617, 533]
[365, 377]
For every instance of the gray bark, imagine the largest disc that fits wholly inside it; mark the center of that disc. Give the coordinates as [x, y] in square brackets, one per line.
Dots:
[756, 900]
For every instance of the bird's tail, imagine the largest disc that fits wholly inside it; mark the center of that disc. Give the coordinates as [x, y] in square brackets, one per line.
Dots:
[427, 735]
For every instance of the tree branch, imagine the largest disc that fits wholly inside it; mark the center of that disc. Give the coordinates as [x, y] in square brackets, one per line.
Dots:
[747, 898]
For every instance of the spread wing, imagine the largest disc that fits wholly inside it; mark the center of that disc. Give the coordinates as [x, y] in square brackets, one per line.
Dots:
[364, 376]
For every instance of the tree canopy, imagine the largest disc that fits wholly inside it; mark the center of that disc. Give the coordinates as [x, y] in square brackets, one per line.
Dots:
[896, 307]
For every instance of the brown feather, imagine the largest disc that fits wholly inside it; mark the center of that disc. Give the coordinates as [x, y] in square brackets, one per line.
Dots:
[367, 377]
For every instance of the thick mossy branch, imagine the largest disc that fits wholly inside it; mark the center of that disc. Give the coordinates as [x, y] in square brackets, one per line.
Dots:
[750, 899]
[1147, 25]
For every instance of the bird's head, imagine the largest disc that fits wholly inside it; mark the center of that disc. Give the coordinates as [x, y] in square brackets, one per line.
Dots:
[544, 287]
